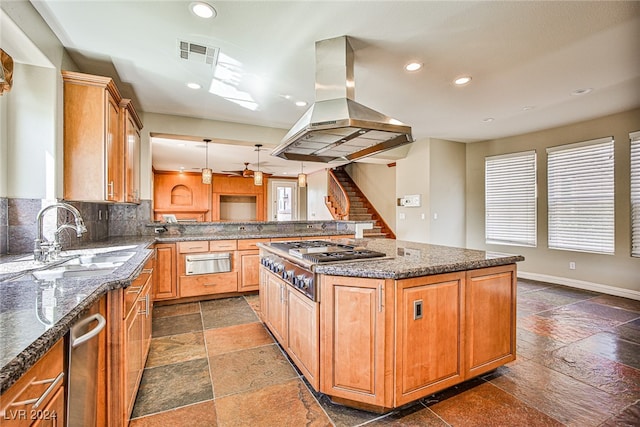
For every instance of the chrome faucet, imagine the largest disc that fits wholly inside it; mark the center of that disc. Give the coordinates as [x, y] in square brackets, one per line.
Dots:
[46, 251]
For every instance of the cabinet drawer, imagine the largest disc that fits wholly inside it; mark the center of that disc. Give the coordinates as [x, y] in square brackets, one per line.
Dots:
[250, 244]
[223, 245]
[131, 293]
[42, 382]
[208, 284]
[188, 247]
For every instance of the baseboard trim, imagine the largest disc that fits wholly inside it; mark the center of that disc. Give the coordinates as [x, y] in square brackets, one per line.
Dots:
[581, 284]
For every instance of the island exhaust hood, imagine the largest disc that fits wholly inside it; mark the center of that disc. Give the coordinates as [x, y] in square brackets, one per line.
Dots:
[336, 127]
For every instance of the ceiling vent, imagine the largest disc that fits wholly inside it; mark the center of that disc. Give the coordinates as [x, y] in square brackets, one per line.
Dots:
[199, 53]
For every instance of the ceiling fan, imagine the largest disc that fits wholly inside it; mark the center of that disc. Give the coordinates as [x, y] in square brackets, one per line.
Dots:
[245, 173]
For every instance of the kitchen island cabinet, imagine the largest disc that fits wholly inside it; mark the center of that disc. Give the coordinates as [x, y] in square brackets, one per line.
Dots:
[396, 329]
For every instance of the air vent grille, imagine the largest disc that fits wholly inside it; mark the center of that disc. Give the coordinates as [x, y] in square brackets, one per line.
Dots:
[197, 52]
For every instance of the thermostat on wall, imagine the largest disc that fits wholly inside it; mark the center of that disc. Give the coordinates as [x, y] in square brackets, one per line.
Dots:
[411, 201]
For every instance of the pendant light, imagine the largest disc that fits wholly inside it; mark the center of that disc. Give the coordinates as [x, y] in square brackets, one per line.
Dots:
[207, 172]
[257, 175]
[302, 177]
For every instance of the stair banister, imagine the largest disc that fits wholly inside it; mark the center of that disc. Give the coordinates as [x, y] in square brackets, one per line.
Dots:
[337, 198]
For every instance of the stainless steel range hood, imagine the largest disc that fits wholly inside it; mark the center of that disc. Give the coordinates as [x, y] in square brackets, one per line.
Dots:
[336, 127]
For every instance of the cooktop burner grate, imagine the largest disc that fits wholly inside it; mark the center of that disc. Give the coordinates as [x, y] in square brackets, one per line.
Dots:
[341, 256]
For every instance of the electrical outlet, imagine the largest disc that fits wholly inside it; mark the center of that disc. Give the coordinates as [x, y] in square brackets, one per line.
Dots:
[309, 226]
[572, 265]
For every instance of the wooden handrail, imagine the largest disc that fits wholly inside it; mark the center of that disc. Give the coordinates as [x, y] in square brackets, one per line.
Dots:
[337, 200]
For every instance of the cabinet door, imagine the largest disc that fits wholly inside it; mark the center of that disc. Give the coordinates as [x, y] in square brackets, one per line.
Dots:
[146, 310]
[52, 415]
[264, 305]
[354, 346]
[165, 273]
[277, 314]
[303, 335]
[428, 330]
[114, 152]
[131, 159]
[491, 318]
[132, 357]
[249, 271]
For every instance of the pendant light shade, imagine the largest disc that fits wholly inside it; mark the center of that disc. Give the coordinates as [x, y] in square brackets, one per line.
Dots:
[302, 177]
[207, 173]
[257, 175]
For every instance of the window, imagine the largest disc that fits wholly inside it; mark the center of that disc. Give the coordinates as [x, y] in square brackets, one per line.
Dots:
[581, 196]
[635, 193]
[510, 199]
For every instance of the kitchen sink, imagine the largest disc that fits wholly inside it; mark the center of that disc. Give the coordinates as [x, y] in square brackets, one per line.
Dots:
[85, 266]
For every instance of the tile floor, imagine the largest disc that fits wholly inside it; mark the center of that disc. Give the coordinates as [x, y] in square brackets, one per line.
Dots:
[214, 364]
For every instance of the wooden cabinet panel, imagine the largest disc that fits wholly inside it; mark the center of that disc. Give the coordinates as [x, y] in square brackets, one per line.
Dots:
[46, 375]
[250, 244]
[276, 303]
[192, 247]
[303, 335]
[249, 270]
[353, 340]
[52, 415]
[491, 318]
[429, 352]
[208, 284]
[222, 245]
[115, 152]
[131, 126]
[165, 277]
[181, 194]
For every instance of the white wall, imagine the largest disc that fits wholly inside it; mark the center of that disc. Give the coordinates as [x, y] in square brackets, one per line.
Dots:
[4, 143]
[316, 192]
[412, 177]
[619, 272]
[378, 183]
[447, 162]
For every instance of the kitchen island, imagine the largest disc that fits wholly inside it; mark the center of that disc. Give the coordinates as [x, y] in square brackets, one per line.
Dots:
[379, 333]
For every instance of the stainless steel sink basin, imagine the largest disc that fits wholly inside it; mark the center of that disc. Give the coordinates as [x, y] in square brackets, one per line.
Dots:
[120, 257]
[85, 266]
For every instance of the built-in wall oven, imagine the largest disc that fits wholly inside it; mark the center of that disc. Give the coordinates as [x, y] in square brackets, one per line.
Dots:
[210, 263]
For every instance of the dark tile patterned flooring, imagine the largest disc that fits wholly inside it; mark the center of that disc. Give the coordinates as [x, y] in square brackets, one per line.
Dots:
[214, 364]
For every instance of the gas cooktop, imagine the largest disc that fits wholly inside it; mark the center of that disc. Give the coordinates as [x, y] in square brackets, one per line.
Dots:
[319, 251]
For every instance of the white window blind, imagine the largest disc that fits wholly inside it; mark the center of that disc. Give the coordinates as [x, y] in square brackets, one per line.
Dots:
[510, 199]
[581, 196]
[635, 193]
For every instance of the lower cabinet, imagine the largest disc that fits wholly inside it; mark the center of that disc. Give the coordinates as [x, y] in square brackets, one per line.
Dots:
[37, 398]
[293, 320]
[138, 306]
[165, 284]
[249, 270]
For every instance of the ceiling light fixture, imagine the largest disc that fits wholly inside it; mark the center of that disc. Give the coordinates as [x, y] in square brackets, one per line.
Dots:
[583, 91]
[206, 172]
[203, 10]
[528, 108]
[301, 103]
[193, 86]
[488, 120]
[413, 66]
[460, 81]
[302, 177]
[257, 175]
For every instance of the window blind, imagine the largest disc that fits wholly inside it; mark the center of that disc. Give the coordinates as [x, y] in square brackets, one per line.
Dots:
[635, 193]
[510, 199]
[581, 196]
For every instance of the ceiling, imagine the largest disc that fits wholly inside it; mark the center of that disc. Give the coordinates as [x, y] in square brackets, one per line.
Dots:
[526, 59]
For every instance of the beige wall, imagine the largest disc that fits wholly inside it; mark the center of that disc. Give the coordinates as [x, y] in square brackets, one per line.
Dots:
[619, 273]
[412, 177]
[378, 183]
[447, 219]
[316, 192]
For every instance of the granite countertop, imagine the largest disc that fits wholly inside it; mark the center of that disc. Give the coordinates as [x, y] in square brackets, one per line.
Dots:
[167, 238]
[35, 314]
[409, 259]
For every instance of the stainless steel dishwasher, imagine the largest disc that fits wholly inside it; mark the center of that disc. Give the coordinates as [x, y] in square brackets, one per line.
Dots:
[84, 369]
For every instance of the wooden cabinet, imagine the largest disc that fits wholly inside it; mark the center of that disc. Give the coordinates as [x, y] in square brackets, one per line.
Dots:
[131, 126]
[207, 284]
[37, 398]
[93, 142]
[355, 340]
[303, 334]
[137, 334]
[181, 194]
[165, 278]
[249, 270]
[490, 318]
[428, 329]
[276, 317]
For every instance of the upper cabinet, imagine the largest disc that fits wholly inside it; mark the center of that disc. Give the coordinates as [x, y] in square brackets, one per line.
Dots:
[97, 125]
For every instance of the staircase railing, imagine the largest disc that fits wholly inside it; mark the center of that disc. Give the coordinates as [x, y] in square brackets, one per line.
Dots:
[337, 200]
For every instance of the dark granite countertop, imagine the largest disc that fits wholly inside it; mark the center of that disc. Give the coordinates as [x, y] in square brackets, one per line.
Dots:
[165, 238]
[409, 259]
[34, 314]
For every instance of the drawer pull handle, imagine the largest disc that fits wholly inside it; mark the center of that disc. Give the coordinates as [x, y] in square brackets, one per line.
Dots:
[134, 289]
[39, 400]
[147, 270]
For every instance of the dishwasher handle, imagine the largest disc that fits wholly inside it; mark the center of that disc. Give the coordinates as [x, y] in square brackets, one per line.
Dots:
[76, 341]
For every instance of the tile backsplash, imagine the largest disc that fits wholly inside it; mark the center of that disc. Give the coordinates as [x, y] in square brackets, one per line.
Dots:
[18, 226]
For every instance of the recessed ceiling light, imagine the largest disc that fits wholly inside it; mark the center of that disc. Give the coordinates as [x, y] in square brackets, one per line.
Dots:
[462, 80]
[528, 108]
[181, 144]
[583, 91]
[193, 85]
[488, 120]
[301, 103]
[203, 10]
[413, 66]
